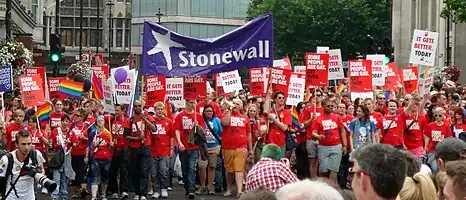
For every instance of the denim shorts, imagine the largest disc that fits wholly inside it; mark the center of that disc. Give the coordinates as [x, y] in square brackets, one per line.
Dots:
[100, 171]
[329, 158]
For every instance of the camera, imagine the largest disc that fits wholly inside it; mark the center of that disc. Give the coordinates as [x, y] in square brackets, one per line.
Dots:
[41, 179]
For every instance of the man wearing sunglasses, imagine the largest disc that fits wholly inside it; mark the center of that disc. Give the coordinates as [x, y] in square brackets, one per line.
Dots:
[279, 118]
[434, 133]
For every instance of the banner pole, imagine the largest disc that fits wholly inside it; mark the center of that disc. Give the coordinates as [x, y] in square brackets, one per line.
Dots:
[3, 107]
[38, 121]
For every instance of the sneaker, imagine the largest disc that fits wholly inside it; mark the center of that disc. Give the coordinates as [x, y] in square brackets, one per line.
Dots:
[44, 191]
[124, 195]
[136, 197]
[103, 197]
[170, 189]
[150, 193]
[143, 198]
[180, 182]
[93, 198]
[114, 196]
[164, 193]
[191, 195]
[156, 195]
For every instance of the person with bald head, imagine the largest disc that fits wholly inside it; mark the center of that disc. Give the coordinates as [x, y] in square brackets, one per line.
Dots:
[139, 139]
[434, 133]
[236, 143]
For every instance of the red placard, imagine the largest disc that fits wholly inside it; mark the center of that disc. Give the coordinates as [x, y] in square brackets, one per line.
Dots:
[392, 77]
[31, 90]
[410, 79]
[37, 71]
[155, 89]
[360, 75]
[195, 87]
[53, 84]
[218, 85]
[100, 71]
[257, 80]
[316, 69]
[280, 79]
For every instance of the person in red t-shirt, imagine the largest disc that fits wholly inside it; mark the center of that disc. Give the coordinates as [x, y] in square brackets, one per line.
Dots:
[39, 137]
[258, 131]
[60, 140]
[329, 130]
[163, 140]
[55, 116]
[79, 132]
[459, 122]
[309, 114]
[139, 143]
[120, 161]
[208, 101]
[414, 124]
[13, 128]
[101, 161]
[434, 133]
[279, 119]
[236, 142]
[390, 127]
[345, 163]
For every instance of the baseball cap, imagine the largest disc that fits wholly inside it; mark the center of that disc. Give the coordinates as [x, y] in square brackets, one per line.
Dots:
[151, 110]
[450, 149]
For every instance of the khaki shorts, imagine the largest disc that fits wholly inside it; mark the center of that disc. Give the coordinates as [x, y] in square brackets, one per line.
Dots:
[234, 160]
[212, 155]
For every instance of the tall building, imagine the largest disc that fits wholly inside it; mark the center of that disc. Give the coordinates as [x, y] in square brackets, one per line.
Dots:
[95, 30]
[196, 18]
[408, 15]
[25, 18]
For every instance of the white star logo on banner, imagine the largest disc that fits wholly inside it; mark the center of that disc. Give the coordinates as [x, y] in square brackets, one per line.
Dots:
[164, 43]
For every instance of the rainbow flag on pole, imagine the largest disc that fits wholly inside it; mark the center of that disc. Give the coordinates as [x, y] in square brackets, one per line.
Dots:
[97, 87]
[295, 118]
[43, 112]
[71, 88]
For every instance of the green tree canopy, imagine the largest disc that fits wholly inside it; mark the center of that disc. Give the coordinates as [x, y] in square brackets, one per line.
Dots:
[302, 25]
[455, 9]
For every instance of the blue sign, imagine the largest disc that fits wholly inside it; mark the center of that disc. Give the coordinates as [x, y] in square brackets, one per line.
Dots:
[6, 79]
[166, 53]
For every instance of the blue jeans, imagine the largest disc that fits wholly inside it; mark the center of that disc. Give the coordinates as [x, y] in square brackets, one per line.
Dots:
[159, 173]
[219, 171]
[61, 193]
[140, 169]
[432, 162]
[171, 169]
[100, 170]
[189, 169]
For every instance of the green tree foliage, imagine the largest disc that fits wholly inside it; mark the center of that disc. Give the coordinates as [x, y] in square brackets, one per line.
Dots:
[455, 9]
[302, 25]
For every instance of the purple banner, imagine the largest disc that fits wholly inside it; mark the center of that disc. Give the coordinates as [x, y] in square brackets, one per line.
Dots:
[167, 53]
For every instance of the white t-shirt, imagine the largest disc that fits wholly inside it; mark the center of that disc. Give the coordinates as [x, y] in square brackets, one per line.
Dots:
[426, 169]
[25, 184]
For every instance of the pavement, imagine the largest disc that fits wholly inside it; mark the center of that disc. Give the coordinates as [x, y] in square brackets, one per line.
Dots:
[177, 193]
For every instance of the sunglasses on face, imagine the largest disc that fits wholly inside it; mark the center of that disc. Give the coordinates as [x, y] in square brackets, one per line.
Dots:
[438, 115]
[381, 98]
[77, 115]
[280, 97]
[137, 106]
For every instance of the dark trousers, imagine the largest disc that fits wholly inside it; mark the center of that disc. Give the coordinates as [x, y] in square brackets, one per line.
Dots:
[189, 168]
[140, 169]
[171, 169]
[343, 172]
[120, 166]
[79, 167]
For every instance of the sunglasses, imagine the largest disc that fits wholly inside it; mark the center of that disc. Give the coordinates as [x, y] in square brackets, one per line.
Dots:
[137, 106]
[438, 115]
[77, 115]
[280, 97]
[381, 98]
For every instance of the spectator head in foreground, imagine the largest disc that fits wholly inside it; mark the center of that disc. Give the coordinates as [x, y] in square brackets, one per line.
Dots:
[450, 149]
[260, 194]
[308, 190]
[271, 151]
[418, 187]
[379, 172]
[413, 163]
[455, 188]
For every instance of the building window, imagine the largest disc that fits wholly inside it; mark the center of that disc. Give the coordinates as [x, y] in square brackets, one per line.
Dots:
[119, 23]
[66, 22]
[119, 0]
[93, 38]
[94, 22]
[128, 23]
[94, 3]
[84, 37]
[67, 37]
[119, 38]
[84, 20]
[67, 3]
[127, 38]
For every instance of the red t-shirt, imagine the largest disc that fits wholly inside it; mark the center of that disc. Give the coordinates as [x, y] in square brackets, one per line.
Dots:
[307, 114]
[459, 128]
[200, 107]
[375, 117]
[277, 135]
[37, 139]
[56, 145]
[328, 125]
[90, 119]
[413, 137]
[394, 135]
[235, 135]
[104, 138]
[139, 127]
[436, 134]
[346, 122]
[118, 129]
[80, 145]
[10, 135]
[161, 138]
[55, 119]
[184, 122]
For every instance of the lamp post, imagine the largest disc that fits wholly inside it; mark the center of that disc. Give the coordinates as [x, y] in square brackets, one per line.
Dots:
[159, 16]
[110, 4]
[8, 20]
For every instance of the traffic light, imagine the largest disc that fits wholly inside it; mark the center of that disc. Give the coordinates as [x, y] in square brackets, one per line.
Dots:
[387, 50]
[56, 51]
[371, 45]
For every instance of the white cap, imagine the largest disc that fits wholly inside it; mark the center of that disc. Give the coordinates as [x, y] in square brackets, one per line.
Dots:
[151, 109]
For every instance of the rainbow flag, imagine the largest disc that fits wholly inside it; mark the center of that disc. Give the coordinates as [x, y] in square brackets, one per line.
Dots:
[71, 88]
[295, 118]
[167, 110]
[340, 87]
[43, 112]
[97, 87]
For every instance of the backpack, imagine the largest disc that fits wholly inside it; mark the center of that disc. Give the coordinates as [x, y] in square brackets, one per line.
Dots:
[9, 169]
